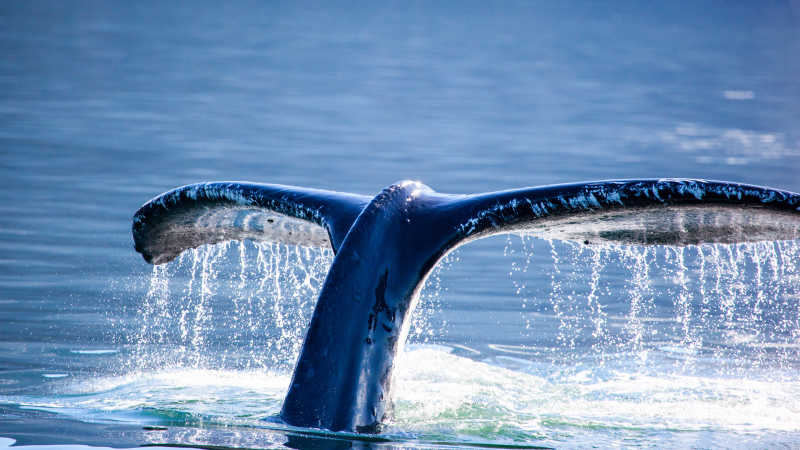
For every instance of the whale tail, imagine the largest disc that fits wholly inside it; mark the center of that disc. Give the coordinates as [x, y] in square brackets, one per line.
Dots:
[387, 245]
[208, 213]
[674, 212]
[643, 212]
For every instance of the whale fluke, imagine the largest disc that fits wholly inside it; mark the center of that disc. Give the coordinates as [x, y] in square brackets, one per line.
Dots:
[387, 245]
[640, 212]
[207, 213]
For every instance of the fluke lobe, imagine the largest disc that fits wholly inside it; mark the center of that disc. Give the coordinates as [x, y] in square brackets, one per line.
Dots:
[385, 246]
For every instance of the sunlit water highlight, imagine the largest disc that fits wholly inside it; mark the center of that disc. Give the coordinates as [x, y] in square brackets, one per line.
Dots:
[708, 343]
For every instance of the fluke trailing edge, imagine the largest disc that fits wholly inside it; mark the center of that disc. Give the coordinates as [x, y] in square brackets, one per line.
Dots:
[387, 245]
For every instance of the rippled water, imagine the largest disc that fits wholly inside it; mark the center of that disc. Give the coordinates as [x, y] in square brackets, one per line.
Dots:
[517, 340]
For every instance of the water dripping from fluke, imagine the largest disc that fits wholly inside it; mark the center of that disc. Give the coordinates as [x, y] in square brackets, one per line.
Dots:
[203, 312]
[704, 304]
[652, 236]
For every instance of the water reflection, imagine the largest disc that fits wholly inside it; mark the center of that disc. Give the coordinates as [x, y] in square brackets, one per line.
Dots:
[728, 146]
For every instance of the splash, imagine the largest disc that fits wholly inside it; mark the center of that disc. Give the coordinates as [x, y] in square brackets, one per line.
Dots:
[467, 399]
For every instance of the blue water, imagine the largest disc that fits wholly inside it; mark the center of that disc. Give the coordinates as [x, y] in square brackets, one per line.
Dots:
[520, 341]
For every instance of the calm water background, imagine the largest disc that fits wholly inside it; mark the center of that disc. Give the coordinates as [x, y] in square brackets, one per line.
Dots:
[104, 105]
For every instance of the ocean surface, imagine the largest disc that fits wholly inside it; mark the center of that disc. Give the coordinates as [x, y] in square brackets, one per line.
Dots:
[517, 341]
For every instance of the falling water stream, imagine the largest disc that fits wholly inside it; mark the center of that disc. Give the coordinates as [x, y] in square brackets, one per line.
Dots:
[241, 306]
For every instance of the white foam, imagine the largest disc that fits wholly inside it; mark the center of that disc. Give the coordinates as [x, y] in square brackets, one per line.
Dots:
[435, 388]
